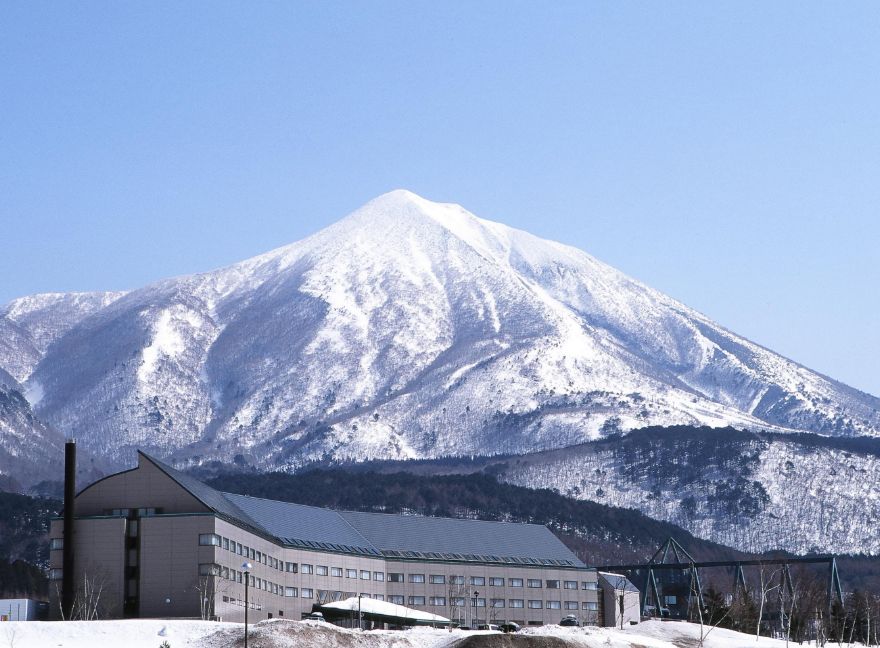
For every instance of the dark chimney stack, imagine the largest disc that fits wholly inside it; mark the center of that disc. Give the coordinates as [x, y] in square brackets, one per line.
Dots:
[67, 586]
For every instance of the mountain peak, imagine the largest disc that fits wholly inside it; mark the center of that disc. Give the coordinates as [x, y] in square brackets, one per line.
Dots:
[409, 328]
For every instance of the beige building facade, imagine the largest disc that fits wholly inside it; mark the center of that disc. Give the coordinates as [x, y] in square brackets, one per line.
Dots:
[158, 543]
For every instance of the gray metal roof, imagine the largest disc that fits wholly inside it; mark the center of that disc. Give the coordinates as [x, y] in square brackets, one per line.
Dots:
[471, 539]
[298, 524]
[391, 535]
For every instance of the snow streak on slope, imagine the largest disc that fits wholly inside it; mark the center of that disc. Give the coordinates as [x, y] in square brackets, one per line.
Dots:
[30, 324]
[408, 329]
[753, 492]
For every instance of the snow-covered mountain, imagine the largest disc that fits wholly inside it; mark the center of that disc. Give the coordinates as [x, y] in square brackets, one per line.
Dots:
[407, 329]
[30, 451]
[801, 493]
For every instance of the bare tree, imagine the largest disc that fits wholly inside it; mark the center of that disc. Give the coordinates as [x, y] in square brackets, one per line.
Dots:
[493, 612]
[709, 615]
[791, 587]
[457, 590]
[208, 586]
[765, 586]
[88, 602]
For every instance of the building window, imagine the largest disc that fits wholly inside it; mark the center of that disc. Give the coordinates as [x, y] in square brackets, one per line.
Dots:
[416, 600]
[306, 592]
[571, 605]
[56, 543]
[321, 570]
[570, 584]
[379, 597]
[209, 569]
[336, 571]
[534, 582]
[226, 544]
[535, 605]
[494, 581]
[516, 603]
[671, 600]
[589, 585]
[259, 557]
[590, 605]
[379, 576]
[456, 580]
[292, 567]
[209, 539]
[514, 582]
[437, 579]
[437, 601]
[306, 569]
[457, 601]
[552, 584]
[554, 605]
[351, 573]
[478, 580]
[416, 578]
[395, 598]
[480, 602]
[56, 574]
[496, 603]
[395, 577]
[365, 574]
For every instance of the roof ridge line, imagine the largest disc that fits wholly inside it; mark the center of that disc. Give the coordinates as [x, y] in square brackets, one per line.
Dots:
[356, 530]
[165, 468]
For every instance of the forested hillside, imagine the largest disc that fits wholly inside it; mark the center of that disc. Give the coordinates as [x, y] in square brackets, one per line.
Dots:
[24, 547]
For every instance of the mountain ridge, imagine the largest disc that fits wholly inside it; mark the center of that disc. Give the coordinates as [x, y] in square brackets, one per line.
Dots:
[407, 329]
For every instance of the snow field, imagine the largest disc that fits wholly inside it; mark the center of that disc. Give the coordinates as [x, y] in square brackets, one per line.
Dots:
[279, 633]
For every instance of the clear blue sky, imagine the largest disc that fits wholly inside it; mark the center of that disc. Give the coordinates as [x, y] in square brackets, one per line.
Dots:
[725, 153]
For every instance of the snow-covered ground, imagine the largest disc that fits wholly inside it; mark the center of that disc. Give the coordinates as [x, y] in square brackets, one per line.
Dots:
[304, 634]
[134, 633]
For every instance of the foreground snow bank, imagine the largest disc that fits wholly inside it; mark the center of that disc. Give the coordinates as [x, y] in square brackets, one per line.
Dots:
[308, 634]
[131, 633]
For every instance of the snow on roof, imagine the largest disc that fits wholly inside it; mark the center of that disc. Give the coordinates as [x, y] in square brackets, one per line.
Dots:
[618, 581]
[384, 608]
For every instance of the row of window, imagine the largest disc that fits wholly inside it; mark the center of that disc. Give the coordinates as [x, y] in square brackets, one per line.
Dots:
[461, 601]
[236, 576]
[240, 603]
[336, 572]
[326, 595]
[213, 539]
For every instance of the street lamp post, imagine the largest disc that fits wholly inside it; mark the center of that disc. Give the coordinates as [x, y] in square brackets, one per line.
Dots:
[247, 581]
[360, 618]
[476, 594]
